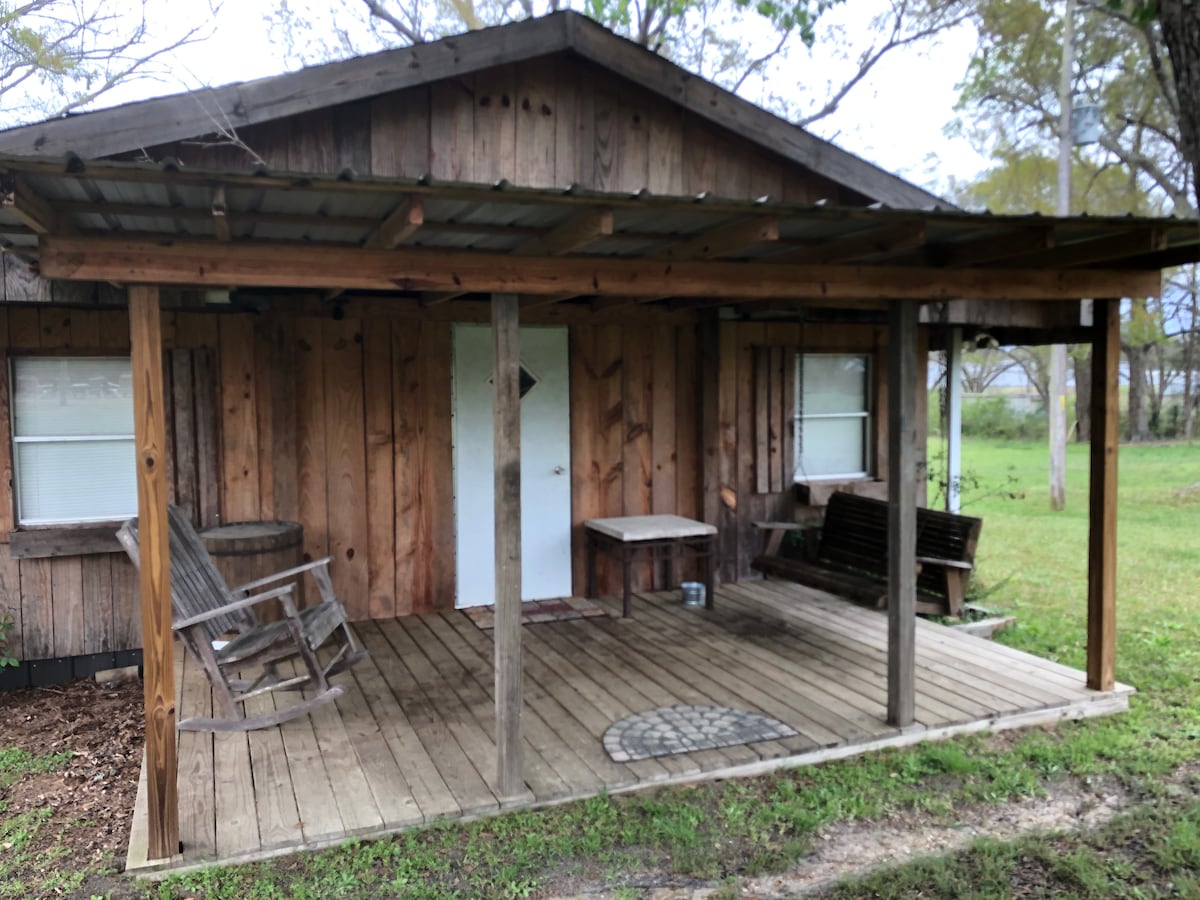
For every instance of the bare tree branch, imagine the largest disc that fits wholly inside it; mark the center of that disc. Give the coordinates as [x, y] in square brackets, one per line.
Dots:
[378, 11]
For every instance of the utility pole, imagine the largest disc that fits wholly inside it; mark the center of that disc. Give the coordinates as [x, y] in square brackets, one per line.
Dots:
[1057, 400]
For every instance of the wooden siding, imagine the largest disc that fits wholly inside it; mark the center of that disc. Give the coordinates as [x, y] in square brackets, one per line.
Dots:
[65, 605]
[751, 443]
[345, 426]
[634, 431]
[546, 122]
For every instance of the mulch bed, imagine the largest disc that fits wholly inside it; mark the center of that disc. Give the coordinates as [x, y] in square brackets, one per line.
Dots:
[103, 729]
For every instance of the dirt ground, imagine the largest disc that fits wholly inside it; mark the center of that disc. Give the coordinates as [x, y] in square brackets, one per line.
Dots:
[102, 727]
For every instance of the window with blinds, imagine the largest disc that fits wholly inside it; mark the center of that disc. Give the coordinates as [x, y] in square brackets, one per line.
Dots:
[832, 415]
[73, 445]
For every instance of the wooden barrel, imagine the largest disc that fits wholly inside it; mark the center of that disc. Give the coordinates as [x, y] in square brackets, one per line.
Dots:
[245, 551]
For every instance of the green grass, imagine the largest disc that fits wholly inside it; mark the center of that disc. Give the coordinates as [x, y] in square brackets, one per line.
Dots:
[1032, 562]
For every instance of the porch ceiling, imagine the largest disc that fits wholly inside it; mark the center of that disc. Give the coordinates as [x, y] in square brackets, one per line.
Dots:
[159, 223]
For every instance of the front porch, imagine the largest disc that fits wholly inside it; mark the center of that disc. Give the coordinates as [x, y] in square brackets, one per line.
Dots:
[412, 739]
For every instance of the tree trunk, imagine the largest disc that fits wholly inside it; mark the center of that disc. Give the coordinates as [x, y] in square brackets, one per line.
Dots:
[1139, 423]
[1083, 397]
[1189, 361]
[1181, 34]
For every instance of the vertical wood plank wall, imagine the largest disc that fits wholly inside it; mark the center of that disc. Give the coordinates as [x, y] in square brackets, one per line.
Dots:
[66, 605]
[742, 500]
[544, 123]
[345, 426]
[635, 433]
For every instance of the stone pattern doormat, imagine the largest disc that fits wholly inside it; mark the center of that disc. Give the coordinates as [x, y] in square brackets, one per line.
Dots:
[683, 729]
[534, 611]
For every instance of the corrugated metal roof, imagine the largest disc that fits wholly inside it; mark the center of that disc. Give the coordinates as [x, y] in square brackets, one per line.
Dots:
[165, 200]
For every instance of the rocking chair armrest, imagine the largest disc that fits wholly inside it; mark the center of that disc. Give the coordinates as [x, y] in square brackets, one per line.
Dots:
[280, 593]
[278, 576]
[945, 563]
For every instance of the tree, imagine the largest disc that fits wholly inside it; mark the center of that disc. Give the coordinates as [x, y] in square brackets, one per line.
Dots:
[748, 46]
[1138, 166]
[59, 55]
[1180, 28]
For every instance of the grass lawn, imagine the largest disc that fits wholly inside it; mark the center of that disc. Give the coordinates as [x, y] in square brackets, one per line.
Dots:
[1031, 562]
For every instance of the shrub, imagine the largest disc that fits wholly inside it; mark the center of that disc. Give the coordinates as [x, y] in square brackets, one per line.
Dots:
[994, 417]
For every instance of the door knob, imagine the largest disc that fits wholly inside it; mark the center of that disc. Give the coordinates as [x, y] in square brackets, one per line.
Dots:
[559, 470]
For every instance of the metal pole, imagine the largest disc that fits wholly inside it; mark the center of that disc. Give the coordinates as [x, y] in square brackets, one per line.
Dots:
[953, 420]
[1056, 401]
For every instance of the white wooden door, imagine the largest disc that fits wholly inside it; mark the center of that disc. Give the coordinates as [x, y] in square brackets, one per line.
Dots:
[545, 465]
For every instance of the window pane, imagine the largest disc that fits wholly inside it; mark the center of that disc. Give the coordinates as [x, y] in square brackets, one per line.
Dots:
[76, 481]
[833, 384]
[64, 397]
[833, 447]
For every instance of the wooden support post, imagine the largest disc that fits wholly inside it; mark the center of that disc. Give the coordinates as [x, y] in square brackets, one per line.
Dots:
[1102, 498]
[954, 420]
[158, 662]
[506, 418]
[708, 363]
[902, 511]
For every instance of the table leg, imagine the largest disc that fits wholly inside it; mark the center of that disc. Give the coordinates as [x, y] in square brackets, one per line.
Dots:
[627, 575]
[591, 566]
[676, 550]
[710, 566]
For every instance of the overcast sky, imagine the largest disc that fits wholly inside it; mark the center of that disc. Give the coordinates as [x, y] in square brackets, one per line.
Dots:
[895, 118]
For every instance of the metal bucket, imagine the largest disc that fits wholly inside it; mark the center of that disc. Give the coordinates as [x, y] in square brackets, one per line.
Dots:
[693, 593]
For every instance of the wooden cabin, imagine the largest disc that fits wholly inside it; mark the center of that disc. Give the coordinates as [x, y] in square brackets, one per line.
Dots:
[347, 413]
[704, 300]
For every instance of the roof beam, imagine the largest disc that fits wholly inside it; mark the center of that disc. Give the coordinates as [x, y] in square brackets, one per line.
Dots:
[725, 240]
[265, 264]
[574, 234]
[1088, 252]
[875, 242]
[31, 207]
[401, 224]
[220, 218]
[994, 249]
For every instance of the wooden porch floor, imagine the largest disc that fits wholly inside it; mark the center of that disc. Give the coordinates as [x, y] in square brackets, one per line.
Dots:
[411, 740]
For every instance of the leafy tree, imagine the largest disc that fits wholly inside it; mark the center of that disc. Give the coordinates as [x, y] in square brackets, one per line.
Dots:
[1009, 104]
[59, 55]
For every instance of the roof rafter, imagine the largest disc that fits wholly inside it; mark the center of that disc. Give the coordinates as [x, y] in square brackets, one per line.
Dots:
[401, 223]
[1087, 252]
[220, 216]
[725, 240]
[30, 207]
[883, 241]
[574, 234]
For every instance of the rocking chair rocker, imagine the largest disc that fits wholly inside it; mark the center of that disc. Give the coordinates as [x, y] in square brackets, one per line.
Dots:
[205, 609]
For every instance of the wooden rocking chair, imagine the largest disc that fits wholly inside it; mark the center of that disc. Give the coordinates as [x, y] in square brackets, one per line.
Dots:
[206, 609]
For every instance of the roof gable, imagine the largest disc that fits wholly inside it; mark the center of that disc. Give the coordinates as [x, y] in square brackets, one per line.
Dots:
[165, 119]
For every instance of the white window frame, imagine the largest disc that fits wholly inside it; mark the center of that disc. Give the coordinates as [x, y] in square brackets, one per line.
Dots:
[18, 440]
[798, 418]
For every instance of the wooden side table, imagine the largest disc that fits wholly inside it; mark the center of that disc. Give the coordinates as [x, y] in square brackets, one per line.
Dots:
[627, 537]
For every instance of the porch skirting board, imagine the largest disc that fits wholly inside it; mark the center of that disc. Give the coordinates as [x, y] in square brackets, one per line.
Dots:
[411, 741]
